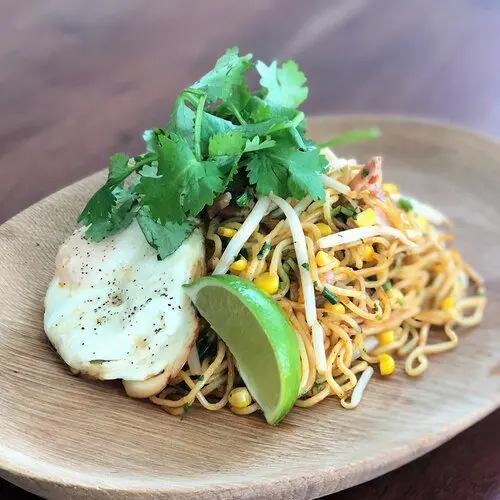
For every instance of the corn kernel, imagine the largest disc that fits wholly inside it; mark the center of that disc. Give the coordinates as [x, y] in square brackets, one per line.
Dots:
[240, 397]
[267, 282]
[387, 364]
[386, 337]
[422, 223]
[227, 232]
[390, 188]
[366, 218]
[335, 308]
[396, 297]
[239, 265]
[368, 252]
[448, 303]
[323, 259]
[324, 229]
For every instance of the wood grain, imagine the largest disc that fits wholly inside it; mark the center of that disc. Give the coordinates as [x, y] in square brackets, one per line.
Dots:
[64, 437]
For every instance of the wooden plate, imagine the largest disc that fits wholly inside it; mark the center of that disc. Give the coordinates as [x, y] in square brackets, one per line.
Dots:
[65, 437]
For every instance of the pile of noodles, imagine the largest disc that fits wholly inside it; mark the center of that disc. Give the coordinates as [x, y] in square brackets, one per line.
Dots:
[338, 352]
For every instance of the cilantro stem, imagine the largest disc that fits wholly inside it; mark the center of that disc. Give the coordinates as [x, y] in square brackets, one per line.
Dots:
[356, 135]
[197, 126]
[297, 138]
[298, 118]
[145, 161]
[237, 114]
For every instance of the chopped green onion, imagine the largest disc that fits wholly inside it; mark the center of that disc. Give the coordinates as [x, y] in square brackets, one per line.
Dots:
[242, 200]
[265, 247]
[405, 204]
[331, 297]
[336, 210]
[305, 265]
[365, 172]
[347, 211]
[387, 285]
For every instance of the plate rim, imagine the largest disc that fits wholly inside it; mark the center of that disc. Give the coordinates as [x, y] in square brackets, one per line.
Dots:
[24, 476]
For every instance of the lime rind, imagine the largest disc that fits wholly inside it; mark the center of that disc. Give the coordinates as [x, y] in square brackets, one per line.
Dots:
[258, 334]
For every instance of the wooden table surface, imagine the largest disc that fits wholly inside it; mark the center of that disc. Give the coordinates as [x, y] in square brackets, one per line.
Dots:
[82, 79]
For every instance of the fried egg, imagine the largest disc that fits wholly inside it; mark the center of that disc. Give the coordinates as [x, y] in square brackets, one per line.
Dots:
[114, 311]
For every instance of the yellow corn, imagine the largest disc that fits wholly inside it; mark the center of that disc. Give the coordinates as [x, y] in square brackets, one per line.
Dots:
[267, 282]
[390, 188]
[227, 232]
[368, 252]
[324, 229]
[448, 303]
[366, 218]
[239, 265]
[387, 364]
[240, 397]
[396, 297]
[323, 259]
[422, 223]
[335, 308]
[386, 337]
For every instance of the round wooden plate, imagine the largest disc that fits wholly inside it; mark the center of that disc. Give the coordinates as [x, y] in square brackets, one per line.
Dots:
[65, 437]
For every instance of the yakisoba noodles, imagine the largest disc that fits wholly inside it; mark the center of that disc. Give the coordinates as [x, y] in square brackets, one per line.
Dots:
[367, 278]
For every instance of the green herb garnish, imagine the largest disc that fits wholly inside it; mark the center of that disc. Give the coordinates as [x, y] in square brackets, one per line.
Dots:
[263, 251]
[387, 285]
[405, 204]
[305, 265]
[219, 132]
[347, 211]
[336, 210]
[357, 135]
[331, 297]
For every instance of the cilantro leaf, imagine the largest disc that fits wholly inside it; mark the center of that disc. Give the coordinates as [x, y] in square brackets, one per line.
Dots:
[305, 168]
[268, 127]
[268, 174]
[184, 186]
[228, 72]
[288, 171]
[98, 207]
[257, 110]
[119, 168]
[165, 238]
[205, 183]
[102, 202]
[284, 86]
[182, 120]
[119, 218]
[255, 144]
[226, 143]
[235, 104]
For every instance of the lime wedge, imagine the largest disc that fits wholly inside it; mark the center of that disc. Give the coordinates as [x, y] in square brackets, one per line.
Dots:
[259, 336]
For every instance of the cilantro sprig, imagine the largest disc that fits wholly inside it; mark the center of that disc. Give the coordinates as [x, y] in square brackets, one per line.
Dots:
[220, 134]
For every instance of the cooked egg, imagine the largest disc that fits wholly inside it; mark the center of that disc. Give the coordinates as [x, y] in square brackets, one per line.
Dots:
[114, 311]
